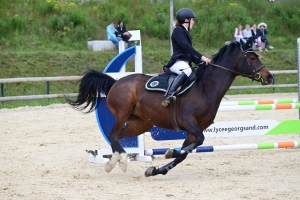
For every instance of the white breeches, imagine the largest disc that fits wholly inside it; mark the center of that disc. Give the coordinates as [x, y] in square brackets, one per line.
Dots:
[181, 66]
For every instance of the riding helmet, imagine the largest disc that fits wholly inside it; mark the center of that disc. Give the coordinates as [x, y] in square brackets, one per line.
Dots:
[184, 13]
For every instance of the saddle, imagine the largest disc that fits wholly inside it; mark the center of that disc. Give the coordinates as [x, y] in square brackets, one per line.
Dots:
[161, 82]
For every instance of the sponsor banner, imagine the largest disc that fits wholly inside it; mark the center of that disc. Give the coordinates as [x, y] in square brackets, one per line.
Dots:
[240, 128]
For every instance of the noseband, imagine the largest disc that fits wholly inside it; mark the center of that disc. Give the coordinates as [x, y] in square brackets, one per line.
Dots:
[255, 75]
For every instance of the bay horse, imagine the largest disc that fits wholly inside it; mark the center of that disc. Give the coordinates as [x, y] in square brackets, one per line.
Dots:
[140, 109]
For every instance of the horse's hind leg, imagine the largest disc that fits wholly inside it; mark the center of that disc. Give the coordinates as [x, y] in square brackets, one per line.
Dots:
[116, 147]
[134, 127]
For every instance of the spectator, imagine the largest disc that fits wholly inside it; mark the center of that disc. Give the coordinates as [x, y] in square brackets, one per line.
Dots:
[123, 33]
[111, 34]
[255, 35]
[238, 34]
[254, 32]
[247, 32]
[262, 33]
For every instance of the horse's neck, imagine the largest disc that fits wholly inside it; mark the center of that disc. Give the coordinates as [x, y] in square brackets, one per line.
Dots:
[217, 82]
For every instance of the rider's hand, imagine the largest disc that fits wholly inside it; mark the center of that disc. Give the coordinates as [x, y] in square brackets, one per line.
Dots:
[206, 60]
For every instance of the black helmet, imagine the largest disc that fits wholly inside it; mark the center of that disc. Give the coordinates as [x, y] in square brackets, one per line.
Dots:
[184, 13]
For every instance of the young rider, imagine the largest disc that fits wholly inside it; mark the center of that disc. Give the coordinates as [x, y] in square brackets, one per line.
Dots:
[183, 52]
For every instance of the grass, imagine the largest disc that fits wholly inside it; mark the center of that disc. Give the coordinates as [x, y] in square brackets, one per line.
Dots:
[42, 38]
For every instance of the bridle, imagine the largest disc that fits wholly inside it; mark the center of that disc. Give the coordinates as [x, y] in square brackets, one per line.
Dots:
[255, 71]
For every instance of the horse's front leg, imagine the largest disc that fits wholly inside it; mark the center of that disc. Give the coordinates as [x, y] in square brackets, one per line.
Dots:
[152, 171]
[187, 146]
[179, 156]
[194, 139]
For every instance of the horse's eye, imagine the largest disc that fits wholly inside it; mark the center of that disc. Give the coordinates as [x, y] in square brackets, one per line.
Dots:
[252, 58]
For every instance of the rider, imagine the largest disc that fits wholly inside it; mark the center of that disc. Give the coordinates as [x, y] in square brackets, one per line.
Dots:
[183, 52]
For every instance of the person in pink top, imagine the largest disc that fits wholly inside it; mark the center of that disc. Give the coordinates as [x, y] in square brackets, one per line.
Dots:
[238, 34]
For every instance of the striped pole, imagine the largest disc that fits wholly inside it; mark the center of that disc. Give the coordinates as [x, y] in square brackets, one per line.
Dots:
[258, 102]
[298, 58]
[202, 149]
[259, 107]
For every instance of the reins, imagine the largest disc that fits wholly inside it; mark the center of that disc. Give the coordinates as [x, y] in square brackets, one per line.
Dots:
[254, 76]
[242, 74]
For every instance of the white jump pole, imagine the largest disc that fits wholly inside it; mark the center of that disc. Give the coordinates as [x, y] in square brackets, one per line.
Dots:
[298, 55]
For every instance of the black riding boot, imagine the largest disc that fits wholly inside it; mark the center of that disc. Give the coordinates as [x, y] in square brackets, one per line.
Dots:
[175, 84]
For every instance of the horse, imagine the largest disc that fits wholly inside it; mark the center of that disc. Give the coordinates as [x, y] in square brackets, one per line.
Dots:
[136, 109]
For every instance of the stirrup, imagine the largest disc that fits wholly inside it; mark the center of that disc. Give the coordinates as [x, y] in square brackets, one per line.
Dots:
[167, 101]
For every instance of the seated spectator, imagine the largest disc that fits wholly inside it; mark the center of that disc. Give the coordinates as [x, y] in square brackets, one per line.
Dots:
[123, 33]
[254, 33]
[247, 32]
[255, 36]
[238, 34]
[262, 33]
[111, 34]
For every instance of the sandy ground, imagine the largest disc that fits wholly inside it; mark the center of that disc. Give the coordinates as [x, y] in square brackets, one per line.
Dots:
[42, 156]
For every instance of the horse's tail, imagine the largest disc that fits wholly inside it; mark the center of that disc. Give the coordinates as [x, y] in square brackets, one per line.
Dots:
[93, 84]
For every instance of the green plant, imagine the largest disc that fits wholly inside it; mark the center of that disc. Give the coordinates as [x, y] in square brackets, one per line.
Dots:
[49, 37]
[46, 7]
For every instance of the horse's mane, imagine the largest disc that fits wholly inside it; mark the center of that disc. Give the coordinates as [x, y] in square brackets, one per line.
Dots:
[223, 50]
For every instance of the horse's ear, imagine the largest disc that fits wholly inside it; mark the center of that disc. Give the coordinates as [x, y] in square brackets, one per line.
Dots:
[248, 44]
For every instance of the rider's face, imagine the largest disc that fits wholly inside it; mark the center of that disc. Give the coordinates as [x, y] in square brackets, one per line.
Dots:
[192, 23]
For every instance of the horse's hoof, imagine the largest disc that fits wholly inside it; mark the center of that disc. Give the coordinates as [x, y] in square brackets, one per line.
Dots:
[112, 163]
[123, 162]
[114, 159]
[169, 153]
[107, 167]
[149, 171]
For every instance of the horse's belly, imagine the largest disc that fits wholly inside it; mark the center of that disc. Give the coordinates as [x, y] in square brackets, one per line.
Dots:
[158, 116]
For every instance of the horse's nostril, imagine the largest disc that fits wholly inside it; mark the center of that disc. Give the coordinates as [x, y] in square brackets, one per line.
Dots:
[270, 78]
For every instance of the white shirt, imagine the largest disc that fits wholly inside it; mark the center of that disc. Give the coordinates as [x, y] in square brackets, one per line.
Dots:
[247, 33]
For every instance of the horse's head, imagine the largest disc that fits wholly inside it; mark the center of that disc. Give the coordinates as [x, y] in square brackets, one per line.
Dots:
[251, 65]
[242, 60]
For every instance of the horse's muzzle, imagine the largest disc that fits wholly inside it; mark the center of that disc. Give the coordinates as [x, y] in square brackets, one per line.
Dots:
[268, 80]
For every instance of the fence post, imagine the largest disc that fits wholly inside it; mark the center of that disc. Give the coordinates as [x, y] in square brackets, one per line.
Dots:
[47, 87]
[2, 89]
[274, 89]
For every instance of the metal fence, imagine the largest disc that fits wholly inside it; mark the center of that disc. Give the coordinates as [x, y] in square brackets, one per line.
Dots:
[74, 78]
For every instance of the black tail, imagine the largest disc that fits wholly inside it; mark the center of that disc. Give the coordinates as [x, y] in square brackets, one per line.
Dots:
[92, 85]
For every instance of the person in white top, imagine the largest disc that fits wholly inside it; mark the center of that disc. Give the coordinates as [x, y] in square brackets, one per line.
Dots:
[238, 34]
[247, 32]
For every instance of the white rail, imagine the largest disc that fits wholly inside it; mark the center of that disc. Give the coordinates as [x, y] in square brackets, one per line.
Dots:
[74, 78]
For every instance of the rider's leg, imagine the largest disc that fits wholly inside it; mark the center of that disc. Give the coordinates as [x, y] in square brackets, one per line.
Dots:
[184, 70]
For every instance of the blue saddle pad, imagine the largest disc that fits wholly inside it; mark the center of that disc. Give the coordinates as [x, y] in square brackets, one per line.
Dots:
[161, 83]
